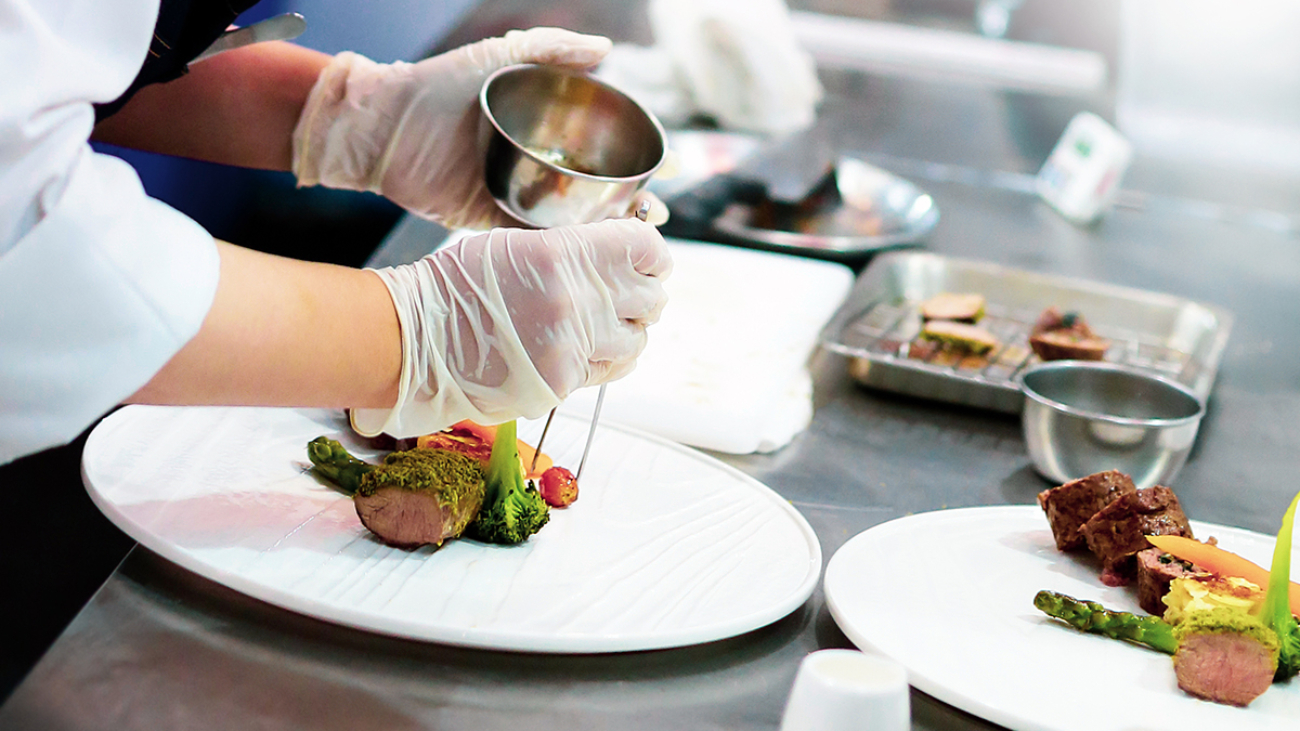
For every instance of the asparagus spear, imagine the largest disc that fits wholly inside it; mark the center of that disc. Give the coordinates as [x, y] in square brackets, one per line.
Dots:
[334, 463]
[1093, 617]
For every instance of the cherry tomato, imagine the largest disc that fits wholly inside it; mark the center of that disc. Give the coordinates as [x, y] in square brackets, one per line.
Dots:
[558, 486]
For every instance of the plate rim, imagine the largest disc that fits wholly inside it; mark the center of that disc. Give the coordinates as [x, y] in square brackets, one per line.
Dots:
[495, 640]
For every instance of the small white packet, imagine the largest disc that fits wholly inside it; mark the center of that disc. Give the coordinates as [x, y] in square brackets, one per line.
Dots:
[1082, 175]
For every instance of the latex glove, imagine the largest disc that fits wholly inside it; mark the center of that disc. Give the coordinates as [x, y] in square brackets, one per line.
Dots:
[410, 132]
[506, 324]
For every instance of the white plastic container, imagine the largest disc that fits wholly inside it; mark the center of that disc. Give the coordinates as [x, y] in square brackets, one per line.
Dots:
[843, 690]
[1082, 175]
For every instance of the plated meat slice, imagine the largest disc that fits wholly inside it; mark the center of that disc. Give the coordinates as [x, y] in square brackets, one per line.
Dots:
[1225, 667]
[1118, 531]
[420, 497]
[1155, 569]
[1069, 506]
[410, 518]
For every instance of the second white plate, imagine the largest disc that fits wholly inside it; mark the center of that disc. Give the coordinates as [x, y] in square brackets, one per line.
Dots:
[664, 547]
[949, 594]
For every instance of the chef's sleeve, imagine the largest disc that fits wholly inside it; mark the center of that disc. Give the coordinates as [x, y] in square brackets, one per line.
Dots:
[100, 285]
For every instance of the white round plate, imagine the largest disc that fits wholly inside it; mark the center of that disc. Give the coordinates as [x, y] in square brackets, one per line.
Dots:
[664, 547]
[949, 594]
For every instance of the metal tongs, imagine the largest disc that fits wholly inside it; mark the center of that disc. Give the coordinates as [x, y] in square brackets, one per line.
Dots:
[642, 213]
[283, 27]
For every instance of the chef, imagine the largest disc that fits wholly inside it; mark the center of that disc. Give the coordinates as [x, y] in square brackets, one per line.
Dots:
[108, 296]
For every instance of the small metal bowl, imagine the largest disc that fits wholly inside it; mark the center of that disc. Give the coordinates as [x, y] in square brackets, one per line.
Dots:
[565, 147]
[1082, 417]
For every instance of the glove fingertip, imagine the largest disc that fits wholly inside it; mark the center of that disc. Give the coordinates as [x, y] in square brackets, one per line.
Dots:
[607, 370]
[557, 46]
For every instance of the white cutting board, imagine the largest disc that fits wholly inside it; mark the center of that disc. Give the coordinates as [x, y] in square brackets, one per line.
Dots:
[726, 366]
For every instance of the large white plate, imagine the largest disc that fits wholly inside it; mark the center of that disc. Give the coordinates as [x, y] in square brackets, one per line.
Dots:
[949, 594]
[664, 547]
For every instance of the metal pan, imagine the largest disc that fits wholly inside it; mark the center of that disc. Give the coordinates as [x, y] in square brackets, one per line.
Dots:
[1170, 336]
[800, 199]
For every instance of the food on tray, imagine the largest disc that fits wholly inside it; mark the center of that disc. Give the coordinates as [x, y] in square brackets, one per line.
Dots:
[1230, 639]
[961, 335]
[558, 486]
[1069, 506]
[964, 307]
[948, 342]
[949, 335]
[1117, 532]
[467, 480]
[1065, 336]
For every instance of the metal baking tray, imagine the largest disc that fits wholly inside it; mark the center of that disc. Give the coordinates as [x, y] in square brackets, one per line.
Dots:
[1170, 336]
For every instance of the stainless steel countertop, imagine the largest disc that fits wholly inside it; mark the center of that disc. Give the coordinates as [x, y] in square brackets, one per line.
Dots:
[159, 647]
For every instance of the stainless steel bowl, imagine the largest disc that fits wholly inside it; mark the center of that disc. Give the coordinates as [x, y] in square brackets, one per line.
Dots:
[565, 147]
[1084, 417]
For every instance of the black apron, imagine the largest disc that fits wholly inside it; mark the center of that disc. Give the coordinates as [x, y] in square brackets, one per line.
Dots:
[185, 28]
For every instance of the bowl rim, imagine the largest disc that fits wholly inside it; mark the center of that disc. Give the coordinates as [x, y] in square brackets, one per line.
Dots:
[1094, 365]
[565, 71]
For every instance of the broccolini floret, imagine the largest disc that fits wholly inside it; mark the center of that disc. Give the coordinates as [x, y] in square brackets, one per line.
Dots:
[1276, 614]
[512, 510]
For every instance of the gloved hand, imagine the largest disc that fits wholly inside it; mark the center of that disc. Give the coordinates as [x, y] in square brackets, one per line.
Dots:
[410, 132]
[508, 323]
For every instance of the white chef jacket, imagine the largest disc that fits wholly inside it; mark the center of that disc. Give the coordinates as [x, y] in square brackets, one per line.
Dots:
[100, 285]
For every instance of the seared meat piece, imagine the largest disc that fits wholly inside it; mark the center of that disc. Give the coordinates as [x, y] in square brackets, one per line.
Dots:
[1069, 506]
[411, 518]
[1057, 336]
[420, 496]
[1118, 531]
[1155, 569]
[1225, 658]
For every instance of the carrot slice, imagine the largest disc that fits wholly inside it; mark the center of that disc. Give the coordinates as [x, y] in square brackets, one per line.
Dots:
[487, 433]
[526, 451]
[1218, 561]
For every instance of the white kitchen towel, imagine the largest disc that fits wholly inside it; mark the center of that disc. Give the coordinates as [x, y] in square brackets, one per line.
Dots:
[726, 368]
[737, 61]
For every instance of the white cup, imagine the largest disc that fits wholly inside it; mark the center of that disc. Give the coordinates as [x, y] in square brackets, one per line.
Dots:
[838, 690]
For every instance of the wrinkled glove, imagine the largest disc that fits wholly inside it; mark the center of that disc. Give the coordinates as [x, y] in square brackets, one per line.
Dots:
[506, 324]
[410, 132]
